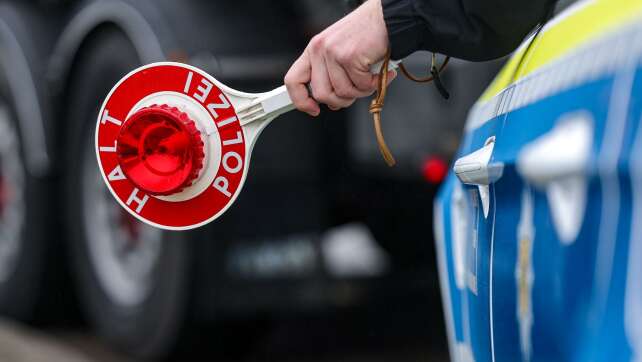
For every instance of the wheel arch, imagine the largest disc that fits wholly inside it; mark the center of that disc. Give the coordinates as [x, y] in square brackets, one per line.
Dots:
[17, 66]
[136, 24]
[137, 21]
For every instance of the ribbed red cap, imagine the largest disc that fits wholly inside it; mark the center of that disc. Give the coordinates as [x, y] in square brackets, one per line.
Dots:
[160, 150]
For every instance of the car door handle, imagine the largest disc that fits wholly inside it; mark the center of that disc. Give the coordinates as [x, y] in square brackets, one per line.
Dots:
[476, 169]
[562, 153]
[558, 163]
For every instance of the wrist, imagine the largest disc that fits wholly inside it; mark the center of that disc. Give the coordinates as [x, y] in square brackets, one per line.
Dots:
[379, 28]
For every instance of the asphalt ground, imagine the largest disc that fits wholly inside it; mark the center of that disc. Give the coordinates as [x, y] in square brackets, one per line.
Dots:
[374, 335]
[19, 343]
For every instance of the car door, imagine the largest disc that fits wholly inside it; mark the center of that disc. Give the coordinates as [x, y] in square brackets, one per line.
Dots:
[559, 279]
[562, 203]
[464, 225]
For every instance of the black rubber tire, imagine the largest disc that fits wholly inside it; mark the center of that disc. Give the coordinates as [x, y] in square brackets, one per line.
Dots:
[20, 290]
[151, 328]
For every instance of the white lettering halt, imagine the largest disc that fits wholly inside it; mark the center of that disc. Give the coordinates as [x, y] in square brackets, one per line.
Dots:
[141, 202]
[116, 174]
[107, 148]
[107, 118]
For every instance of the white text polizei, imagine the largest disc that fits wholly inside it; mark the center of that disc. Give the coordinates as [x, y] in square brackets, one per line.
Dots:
[231, 161]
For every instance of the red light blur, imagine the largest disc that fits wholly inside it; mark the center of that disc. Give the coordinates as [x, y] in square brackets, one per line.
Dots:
[434, 169]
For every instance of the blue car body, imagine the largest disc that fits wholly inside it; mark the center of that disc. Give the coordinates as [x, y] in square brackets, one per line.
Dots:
[539, 226]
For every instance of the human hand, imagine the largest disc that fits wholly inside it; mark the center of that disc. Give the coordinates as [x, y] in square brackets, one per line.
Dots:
[336, 63]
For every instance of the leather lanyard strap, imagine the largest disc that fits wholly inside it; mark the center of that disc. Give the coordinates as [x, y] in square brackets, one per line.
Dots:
[376, 106]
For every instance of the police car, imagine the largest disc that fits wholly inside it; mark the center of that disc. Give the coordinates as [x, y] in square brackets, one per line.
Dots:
[539, 224]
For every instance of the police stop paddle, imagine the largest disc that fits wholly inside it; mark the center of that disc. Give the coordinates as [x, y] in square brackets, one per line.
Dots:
[173, 144]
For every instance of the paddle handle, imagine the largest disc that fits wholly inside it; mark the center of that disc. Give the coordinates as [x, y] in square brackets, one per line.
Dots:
[276, 102]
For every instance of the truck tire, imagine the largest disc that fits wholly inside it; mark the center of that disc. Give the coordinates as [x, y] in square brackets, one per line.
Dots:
[132, 279]
[24, 224]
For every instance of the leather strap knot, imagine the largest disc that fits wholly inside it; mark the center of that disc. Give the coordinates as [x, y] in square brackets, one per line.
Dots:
[376, 105]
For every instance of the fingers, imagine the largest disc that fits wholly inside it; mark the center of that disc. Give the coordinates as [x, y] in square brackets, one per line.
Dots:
[333, 79]
[336, 61]
[322, 89]
[364, 79]
[296, 81]
[392, 74]
[341, 82]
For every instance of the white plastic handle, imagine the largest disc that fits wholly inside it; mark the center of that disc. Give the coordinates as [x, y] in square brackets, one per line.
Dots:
[392, 64]
[276, 102]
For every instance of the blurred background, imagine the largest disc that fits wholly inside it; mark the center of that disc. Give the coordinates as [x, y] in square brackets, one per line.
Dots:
[327, 255]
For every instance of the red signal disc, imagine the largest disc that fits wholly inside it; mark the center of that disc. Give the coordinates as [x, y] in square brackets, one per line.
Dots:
[186, 87]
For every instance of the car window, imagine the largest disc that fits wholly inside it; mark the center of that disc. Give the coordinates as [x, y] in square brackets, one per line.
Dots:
[563, 4]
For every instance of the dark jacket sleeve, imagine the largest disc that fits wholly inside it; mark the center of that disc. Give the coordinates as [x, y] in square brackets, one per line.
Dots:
[468, 29]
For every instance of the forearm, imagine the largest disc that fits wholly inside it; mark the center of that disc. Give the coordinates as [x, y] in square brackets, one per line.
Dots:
[467, 29]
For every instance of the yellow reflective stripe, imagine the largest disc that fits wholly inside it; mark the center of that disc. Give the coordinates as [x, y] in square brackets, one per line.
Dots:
[505, 75]
[570, 29]
[600, 58]
[593, 20]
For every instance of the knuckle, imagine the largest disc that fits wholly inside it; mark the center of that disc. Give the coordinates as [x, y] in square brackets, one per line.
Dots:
[322, 96]
[339, 103]
[344, 92]
[344, 56]
[341, 92]
[335, 50]
[366, 84]
[317, 43]
[360, 81]
[346, 103]
[298, 104]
